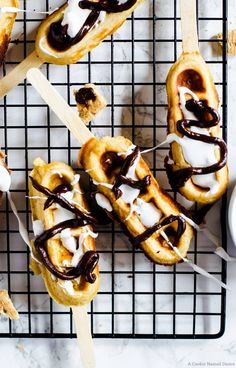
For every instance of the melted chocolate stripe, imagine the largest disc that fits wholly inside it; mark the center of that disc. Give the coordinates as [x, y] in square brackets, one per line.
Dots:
[89, 260]
[58, 37]
[166, 221]
[122, 179]
[178, 178]
[58, 198]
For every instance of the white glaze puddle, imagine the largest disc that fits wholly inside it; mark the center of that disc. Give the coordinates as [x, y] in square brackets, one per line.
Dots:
[148, 214]
[103, 202]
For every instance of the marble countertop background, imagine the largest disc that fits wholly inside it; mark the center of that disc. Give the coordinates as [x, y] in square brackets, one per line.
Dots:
[48, 353]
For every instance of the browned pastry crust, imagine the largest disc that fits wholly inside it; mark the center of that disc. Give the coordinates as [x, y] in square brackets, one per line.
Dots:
[156, 249]
[192, 72]
[6, 24]
[91, 40]
[47, 176]
[6, 306]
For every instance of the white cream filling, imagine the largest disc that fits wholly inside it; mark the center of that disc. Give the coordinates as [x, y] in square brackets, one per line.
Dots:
[197, 153]
[103, 202]
[148, 214]
[68, 286]
[75, 17]
[5, 181]
[13, 9]
[78, 254]
[106, 185]
[38, 227]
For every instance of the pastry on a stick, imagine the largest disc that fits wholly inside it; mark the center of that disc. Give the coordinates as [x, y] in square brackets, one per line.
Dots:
[69, 33]
[64, 243]
[77, 27]
[128, 192]
[199, 169]
[7, 20]
[131, 193]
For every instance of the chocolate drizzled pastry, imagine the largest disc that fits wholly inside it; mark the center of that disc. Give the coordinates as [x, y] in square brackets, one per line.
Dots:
[58, 36]
[207, 118]
[89, 260]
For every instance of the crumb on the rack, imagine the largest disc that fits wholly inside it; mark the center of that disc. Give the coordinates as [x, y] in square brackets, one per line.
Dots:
[6, 306]
[231, 42]
[89, 102]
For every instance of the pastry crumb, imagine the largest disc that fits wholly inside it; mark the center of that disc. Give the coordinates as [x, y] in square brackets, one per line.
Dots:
[231, 42]
[6, 306]
[89, 102]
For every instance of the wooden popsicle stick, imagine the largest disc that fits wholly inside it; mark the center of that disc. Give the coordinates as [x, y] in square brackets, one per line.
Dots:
[189, 26]
[84, 337]
[18, 74]
[82, 133]
[60, 107]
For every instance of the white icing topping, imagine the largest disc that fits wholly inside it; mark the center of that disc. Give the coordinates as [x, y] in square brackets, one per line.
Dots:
[76, 179]
[5, 179]
[148, 214]
[38, 227]
[13, 9]
[61, 214]
[195, 267]
[128, 152]
[78, 254]
[75, 17]
[219, 251]
[129, 194]
[196, 153]
[57, 172]
[103, 202]
[68, 241]
[106, 185]
[22, 229]
[68, 286]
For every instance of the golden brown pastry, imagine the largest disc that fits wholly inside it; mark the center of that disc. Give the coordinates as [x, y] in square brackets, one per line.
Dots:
[6, 24]
[6, 306]
[199, 168]
[128, 193]
[64, 243]
[77, 27]
[89, 102]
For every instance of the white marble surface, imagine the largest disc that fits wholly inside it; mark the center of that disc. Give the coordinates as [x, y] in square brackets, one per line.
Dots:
[47, 353]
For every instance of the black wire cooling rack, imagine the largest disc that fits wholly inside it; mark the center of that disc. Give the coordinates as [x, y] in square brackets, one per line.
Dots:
[137, 299]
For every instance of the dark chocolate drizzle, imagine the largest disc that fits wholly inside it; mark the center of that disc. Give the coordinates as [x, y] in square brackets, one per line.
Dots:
[109, 6]
[165, 222]
[58, 37]
[84, 95]
[202, 112]
[89, 260]
[140, 184]
[122, 179]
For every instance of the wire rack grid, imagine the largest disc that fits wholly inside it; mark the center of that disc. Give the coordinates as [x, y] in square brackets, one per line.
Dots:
[137, 299]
